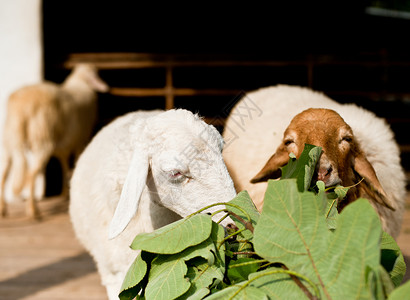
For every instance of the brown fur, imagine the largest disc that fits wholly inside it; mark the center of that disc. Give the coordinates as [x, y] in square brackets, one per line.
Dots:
[342, 160]
[47, 120]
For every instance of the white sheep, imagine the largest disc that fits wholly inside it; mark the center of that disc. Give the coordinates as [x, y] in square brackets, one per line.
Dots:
[253, 137]
[45, 120]
[145, 169]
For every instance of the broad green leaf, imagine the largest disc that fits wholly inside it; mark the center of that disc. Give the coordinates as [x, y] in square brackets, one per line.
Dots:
[194, 294]
[214, 247]
[206, 249]
[205, 263]
[385, 282]
[279, 285]
[244, 201]
[401, 293]
[392, 259]
[292, 230]
[166, 279]
[290, 225]
[302, 168]
[135, 274]
[240, 269]
[201, 275]
[237, 293]
[351, 249]
[175, 237]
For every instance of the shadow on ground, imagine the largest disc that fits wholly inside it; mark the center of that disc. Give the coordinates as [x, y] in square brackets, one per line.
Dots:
[47, 276]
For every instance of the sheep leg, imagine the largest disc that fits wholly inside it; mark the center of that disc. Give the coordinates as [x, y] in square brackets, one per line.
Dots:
[19, 170]
[40, 160]
[5, 169]
[65, 176]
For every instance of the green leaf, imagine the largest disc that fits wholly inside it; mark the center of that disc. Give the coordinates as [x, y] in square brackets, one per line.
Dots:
[331, 212]
[206, 249]
[392, 259]
[302, 168]
[244, 201]
[218, 237]
[136, 273]
[291, 230]
[166, 279]
[134, 276]
[320, 186]
[201, 275]
[175, 237]
[341, 191]
[235, 292]
[352, 248]
[278, 286]
[401, 293]
[290, 224]
[202, 272]
[240, 269]
[385, 282]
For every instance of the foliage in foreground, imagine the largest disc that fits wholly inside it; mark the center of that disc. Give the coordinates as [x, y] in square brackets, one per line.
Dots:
[299, 247]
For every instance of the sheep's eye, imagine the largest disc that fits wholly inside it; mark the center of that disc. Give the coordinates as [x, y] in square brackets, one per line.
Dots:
[346, 139]
[175, 173]
[176, 176]
[288, 142]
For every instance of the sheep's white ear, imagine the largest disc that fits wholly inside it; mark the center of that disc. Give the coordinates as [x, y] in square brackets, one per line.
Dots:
[131, 192]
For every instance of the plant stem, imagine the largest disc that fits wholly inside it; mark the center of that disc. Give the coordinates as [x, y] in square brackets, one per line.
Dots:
[245, 252]
[290, 273]
[229, 236]
[330, 208]
[256, 261]
[299, 284]
[226, 204]
[248, 225]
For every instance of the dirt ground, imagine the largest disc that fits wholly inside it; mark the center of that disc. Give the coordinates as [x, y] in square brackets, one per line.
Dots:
[43, 260]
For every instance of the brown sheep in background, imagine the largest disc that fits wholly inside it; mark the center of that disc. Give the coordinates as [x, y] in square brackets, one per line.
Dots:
[364, 148]
[46, 120]
[342, 160]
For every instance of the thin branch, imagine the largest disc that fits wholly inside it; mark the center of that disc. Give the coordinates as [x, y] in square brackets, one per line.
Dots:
[300, 284]
[278, 271]
[245, 253]
[248, 225]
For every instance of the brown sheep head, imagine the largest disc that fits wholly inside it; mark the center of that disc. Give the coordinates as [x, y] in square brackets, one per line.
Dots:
[342, 161]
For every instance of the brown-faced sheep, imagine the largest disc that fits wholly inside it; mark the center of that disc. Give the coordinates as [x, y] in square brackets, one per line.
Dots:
[356, 144]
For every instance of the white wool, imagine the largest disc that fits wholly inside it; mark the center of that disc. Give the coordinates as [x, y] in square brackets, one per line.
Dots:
[175, 140]
[251, 143]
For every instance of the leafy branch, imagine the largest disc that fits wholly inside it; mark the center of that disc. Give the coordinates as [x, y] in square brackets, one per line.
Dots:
[298, 247]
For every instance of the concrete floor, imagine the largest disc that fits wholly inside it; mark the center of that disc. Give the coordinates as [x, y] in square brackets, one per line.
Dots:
[43, 260]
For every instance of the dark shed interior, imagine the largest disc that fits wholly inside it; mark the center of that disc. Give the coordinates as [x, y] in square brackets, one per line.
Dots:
[203, 57]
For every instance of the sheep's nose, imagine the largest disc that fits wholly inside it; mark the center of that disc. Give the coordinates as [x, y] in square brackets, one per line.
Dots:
[324, 173]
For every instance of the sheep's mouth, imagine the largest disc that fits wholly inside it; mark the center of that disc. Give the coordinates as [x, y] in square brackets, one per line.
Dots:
[329, 177]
